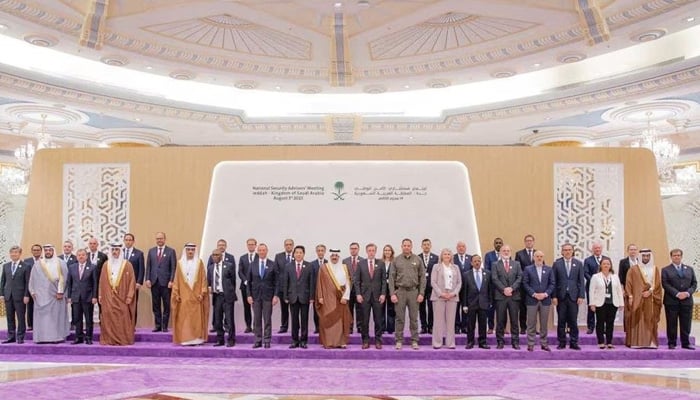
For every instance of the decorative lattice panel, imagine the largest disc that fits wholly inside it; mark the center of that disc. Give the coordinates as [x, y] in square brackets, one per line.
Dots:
[589, 207]
[682, 214]
[95, 202]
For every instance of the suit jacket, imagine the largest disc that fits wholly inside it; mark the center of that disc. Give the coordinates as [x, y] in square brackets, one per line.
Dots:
[137, 261]
[244, 267]
[571, 285]
[16, 287]
[101, 259]
[490, 259]
[502, 280]
[348, 261]
[370, 287]
[438, 284]
[467, 262]
[295, 289]
[534, 284]
[596, 294]
[227, 258]
[432, 260]
[70, 259]
[472, 296]
[163, 272]
[673, 284]
[228, 280]
[591, 267]
[623, 268]
[81, 290]
[524, 259]
[281, 262]
[29, 261]
[266, 287]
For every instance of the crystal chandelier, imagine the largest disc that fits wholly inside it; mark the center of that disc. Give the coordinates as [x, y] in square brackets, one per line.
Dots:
[13, 180]
[665, 152]
[24, 154]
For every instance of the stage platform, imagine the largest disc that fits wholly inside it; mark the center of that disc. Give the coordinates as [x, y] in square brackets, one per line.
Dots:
[149, 344]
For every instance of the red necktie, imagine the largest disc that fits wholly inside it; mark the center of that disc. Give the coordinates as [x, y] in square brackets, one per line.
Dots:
[298, 270]
[354, 264]
[160, 254]
[507, 266]
[371, 269]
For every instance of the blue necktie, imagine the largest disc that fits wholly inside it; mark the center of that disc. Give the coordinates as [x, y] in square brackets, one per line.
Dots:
[680, 271]
[14, 268]
[262, 269]
[478, 280]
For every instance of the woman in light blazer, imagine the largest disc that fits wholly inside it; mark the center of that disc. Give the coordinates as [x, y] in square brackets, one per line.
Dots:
[446, 280]
[605, 296]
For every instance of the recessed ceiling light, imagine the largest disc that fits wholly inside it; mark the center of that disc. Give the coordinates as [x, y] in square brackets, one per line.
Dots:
[137, 119]
[338, 5]
[148, 67]
[278, 87]
[536, 65]
[689, 19]
[406, 86]
[3, 27]
[547, 118]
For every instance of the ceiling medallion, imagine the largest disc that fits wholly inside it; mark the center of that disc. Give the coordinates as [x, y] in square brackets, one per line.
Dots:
[41, 40]
[374, 89]
[46, 115]
[438, 83]
[650, 111]
[182, 75]
[310, 89]
[569, 58]
[115, 60]
[649, 35]
[502, 74]
[246, 85]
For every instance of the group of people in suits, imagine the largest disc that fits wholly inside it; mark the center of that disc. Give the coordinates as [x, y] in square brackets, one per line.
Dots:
[444, 294]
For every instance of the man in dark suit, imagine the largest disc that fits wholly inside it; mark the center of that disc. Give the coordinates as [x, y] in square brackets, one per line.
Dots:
[463, 261]
[96, 258]
[30, 262]
[525, 256]
[591, 266]
[315, 266]
[263, 287]
[476, 300]
[506, 277]
[161, 262]
[281, 260]
[679, 284]
[222, 244]
[14, 291]
[81, 290]
[355, 310]
[136, 258]
[221, 279]
[490, 259]
[370, 289]
[623, 268]
[538, 287]
[425, 308]
[67, 254]
[569, 293]
[298, 288]
[244, 264]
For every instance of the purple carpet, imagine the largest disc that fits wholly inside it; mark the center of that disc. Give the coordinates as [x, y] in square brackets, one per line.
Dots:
[160, 345]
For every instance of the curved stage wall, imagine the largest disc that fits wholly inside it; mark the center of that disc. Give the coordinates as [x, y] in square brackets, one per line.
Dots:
[579, 193]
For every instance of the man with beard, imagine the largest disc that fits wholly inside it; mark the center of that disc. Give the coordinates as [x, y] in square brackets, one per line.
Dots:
[643, 290]
[117, 298]
[332, 295]
[190, 299]
[47, 285]
[81, 291]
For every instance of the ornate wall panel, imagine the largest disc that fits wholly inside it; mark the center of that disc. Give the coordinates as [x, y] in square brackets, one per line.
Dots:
[682, 215]
[95, 202]
[589, 206]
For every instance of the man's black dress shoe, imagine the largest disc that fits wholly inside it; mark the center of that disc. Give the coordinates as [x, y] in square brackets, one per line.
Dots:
[257, 345]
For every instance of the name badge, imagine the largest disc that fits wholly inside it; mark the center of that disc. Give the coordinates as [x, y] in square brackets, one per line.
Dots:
[608, 295]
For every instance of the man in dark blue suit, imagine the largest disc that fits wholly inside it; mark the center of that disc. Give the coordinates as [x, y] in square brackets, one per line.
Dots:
[679, 284]
[507, 277]
[81, 290]
[569, 293]
[315, 266]
[14, 291]
[221, 279]
[476, 300]
[370, 289]
[463, 261]
[591, 266]
[298, 287]
[526, 257]
[244, 264]
[160, 273]
[425, 308]
[538, 287]
[37, 250]
[355, 310]
[222, 245]
[136, 258]
[281, 260]
[263, 287]
[490, 259]
[67, 254]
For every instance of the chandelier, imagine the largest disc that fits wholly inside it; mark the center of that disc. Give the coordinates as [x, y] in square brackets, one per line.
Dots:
[15, 178]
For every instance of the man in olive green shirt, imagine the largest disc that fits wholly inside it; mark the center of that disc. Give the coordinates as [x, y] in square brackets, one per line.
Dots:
[407, 287]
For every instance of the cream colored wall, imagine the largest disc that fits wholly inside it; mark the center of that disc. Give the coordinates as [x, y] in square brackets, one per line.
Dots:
[512, 189]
